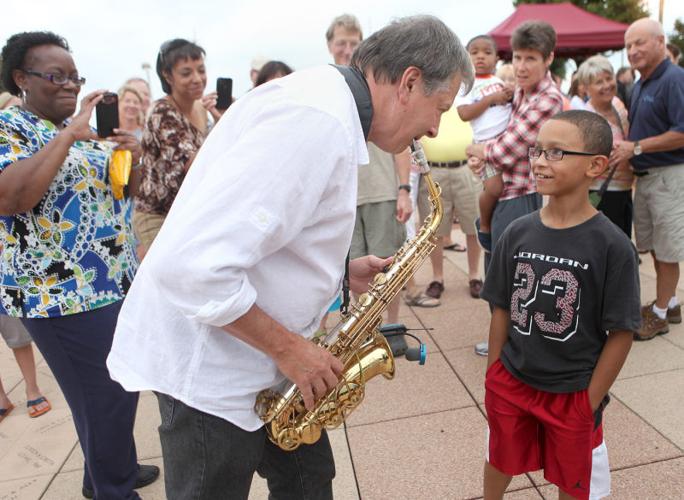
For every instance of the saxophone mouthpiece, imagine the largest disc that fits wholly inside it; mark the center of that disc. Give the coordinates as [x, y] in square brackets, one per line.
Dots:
[419, 157]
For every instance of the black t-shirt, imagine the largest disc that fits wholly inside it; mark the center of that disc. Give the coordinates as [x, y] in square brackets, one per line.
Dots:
[565, 290]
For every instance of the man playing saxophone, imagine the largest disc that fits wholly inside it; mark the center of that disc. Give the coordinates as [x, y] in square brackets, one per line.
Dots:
[252, 254]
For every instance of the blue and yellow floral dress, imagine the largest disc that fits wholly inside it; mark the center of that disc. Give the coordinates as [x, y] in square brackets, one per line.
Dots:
[74, 251]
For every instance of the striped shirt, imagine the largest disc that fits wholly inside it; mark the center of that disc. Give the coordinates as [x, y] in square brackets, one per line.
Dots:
[508, 152]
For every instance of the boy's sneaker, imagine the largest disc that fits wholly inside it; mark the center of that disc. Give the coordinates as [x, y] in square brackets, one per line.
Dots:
[674, 314]
[482, 349]
[651, 325]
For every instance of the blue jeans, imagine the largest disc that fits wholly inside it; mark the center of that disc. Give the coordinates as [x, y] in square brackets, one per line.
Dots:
[75, 348]
[507, 211]
[208, 458]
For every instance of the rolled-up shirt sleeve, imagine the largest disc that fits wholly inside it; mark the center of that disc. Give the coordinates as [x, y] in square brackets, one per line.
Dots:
[242, 202]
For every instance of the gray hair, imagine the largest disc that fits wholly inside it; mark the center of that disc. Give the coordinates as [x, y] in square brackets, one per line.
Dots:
[593, 68]
[346, 21]
[424, 42]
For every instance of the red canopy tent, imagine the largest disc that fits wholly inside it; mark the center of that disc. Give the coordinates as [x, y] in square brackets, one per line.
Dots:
[579, 33]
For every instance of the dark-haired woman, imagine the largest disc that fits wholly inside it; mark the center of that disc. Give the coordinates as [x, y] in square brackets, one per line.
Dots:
[175, 130]
[67, 254]
[272, 70]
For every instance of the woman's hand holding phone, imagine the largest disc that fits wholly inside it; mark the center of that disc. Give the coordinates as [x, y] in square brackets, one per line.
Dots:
[79, 128]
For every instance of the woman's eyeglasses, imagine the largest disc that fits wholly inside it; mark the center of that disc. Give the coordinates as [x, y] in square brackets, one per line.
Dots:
[553, 154]
[57, 78]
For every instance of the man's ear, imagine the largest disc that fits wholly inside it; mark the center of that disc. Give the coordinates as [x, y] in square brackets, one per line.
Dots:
[597, 167]
[409, 83]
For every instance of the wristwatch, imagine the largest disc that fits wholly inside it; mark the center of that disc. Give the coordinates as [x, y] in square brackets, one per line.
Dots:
[637, 149]
[405, 187]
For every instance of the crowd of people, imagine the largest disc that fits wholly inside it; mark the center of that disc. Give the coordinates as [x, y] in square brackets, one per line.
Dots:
[308, 178]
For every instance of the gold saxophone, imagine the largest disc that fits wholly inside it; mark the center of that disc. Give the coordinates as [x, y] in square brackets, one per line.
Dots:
[355, 341]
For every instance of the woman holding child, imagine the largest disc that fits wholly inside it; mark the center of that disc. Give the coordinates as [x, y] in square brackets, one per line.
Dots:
[597, 77]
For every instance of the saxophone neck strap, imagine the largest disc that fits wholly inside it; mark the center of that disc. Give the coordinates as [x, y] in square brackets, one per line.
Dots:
[362, 97]
[344, 306]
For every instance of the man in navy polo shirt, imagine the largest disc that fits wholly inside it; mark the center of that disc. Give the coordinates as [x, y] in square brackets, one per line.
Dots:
[656, 152]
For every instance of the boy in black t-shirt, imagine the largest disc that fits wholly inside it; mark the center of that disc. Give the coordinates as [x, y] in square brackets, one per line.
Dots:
[564, 285]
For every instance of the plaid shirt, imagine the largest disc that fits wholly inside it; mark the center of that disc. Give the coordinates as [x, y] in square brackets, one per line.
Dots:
[508, 152]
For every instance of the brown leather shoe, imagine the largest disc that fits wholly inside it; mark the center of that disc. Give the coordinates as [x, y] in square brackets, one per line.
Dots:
[674, 314]
[651, 325]
[475, 287]
[435, 290]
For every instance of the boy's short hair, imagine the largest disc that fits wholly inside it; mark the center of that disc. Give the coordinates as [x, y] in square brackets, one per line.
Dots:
[482, 37]
[348, 22]
[594, 129]
[534, 35]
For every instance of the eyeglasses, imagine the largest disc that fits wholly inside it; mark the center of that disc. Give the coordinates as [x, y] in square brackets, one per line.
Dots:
[554, 154]
[57, 78]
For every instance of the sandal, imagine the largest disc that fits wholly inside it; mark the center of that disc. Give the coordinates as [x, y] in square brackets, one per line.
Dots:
[421, 300]
[455, 247]
[6, 411]
[33, 407]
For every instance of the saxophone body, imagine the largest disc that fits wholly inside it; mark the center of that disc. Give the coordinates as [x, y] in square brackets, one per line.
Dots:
[355, 341]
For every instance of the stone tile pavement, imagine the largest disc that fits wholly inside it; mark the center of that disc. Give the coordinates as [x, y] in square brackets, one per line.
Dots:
[419, 436]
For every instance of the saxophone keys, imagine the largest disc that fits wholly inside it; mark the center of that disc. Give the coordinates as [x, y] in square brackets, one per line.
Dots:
[364, 300]
[380, 279]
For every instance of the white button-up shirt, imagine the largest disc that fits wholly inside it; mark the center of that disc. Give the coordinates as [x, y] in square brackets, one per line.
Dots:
[265, 215]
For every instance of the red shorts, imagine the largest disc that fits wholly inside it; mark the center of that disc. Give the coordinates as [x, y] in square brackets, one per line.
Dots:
[531, 429]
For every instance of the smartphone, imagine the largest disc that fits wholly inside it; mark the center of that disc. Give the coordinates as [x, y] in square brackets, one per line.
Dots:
[224, 89]
[107, 115]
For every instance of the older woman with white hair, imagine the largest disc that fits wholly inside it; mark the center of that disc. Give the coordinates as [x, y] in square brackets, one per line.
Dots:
[613, 190]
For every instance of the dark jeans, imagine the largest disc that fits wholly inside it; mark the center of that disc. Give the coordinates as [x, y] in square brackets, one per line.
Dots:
[208, 458]
[507, 211]
[618, 207]
[75, 348]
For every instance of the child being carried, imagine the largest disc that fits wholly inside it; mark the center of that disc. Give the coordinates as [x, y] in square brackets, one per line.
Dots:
[488, 108]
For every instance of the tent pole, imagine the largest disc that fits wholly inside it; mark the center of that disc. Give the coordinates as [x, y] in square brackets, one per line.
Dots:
[660, 11]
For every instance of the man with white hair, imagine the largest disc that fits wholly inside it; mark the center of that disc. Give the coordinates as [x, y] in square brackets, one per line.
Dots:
[656, 151]
[253, 253]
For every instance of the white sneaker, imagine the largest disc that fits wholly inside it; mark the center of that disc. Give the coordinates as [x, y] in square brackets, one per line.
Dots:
[482, 349]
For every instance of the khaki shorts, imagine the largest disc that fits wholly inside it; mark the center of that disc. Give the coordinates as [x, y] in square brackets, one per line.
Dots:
[377, 230]
[14, 333]
[460, 193]
[146, 227]
[659, 213]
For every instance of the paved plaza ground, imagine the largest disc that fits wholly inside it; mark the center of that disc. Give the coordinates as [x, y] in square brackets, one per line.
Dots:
[419, 436]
